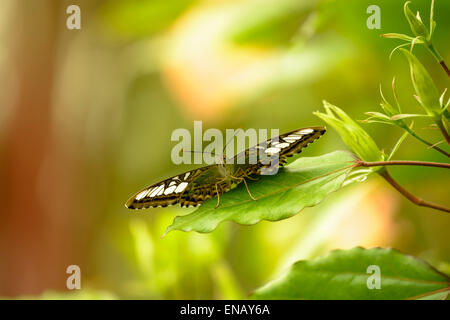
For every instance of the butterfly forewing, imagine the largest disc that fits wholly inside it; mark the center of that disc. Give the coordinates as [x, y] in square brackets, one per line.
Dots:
[167, 192]
[282, 147]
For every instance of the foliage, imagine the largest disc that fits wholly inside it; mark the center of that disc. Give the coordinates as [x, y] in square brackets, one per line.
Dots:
[422, 34]
[352, 134]
[303, 183]
[346, 274]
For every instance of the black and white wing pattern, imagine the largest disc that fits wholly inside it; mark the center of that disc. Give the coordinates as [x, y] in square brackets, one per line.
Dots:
[191, 188]
[282, 147]
[167, 192]
[194, 187]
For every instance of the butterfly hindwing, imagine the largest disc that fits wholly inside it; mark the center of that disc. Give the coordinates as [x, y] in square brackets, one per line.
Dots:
[206, 186]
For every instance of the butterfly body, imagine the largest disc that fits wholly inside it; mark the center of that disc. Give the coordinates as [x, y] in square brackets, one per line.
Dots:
[194, 187]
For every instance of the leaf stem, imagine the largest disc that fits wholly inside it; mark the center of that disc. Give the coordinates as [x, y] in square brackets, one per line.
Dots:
[403, 163]
[438, 57]
[417, 201]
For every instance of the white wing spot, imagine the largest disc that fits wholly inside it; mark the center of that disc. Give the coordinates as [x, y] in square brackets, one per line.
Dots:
[272, 150]
[293, 137]
[156, 190]
[161, 191]
[172, 183]
[142, 194]
[306, 131]
[186, 175]
[169, 190]
[181, 187]
[282, 145]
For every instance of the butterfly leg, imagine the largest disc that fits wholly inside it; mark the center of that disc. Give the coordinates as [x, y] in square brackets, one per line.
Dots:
[251, 178]
[218, 197]
[246, 186]
[248, 190]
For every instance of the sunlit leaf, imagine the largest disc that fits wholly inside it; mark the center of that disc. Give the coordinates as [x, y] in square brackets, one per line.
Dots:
[303, 183]
[442, 97]
[385, 105]
[398, 36]
[343, 274]
[416, 24]
[378, 115]
[370, 120]
[409, 115]
[423, 85]
[432, 21]
[353, 135]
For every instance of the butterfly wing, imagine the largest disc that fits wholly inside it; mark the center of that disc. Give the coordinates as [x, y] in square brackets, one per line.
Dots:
[206, 186]
[167, 192]
[283, 147]
[196, 186]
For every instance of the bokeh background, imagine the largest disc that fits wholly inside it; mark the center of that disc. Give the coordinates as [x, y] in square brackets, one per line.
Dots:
[86, 118]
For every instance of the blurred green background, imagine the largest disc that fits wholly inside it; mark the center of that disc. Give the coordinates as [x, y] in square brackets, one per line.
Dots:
[86, 118]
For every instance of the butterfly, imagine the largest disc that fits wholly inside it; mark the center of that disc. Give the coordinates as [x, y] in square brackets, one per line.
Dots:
[192, 188]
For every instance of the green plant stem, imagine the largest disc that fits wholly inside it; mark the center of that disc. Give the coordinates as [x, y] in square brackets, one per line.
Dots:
[441, 127]
[403, 163]
[413, 134]
[417, 201]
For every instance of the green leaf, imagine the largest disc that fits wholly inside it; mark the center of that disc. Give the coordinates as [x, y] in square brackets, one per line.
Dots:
[385, 105]
[432, 22]
[370, 120]
[342, 274]
[423, 85]
[441, 99]
[397, 36]
[303, 183]
[353, 135]
[409, 115]
[378, 115]
[416, 24]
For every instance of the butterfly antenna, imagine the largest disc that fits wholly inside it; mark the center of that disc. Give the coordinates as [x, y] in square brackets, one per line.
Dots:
[202, 152]
[229, 140]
